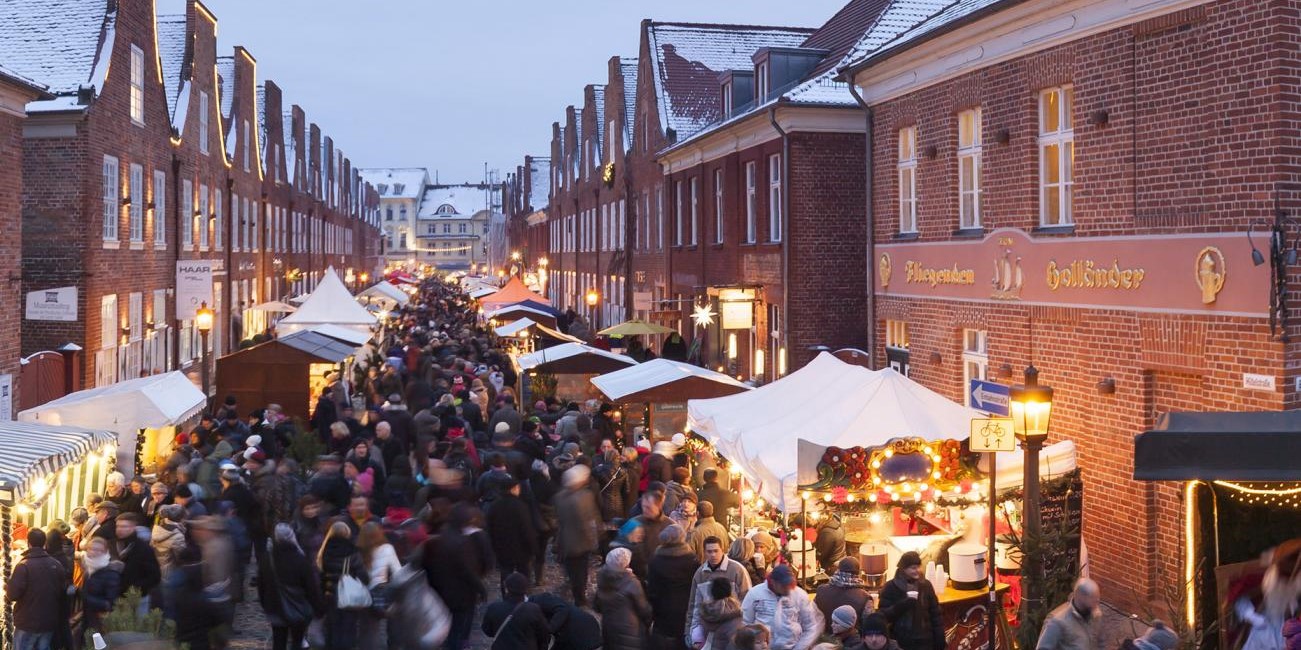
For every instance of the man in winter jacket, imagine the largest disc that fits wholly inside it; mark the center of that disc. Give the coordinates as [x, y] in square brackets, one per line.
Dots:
[513, 621]
[510, 527]
[139, 564]
[785, 609]
[846, 588]
[716, 565]
[576, 535]
[910, 604]
[37, 589]
[707, 527]
[1075, 624]
[714, 493]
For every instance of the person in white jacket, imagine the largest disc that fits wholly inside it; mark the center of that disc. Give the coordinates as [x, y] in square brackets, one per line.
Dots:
[785, 609]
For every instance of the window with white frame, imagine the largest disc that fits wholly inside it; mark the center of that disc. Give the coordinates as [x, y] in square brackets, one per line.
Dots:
[659, 216]
[276, 163]
[975, 358]
[112, 184]
[727, 100]
[187, 206]
[896, 334]
[160, 208]
[203, 122]
[238, 225]
[201, 222]
[252, 210]
[136, 214]
[621, 229]
[643, 234]
[135, 315]
[762, 83]
[751, 201]
[108, 325]
[1056, 156]
[137, 85]
[969, 143]
[158, 312]
[695, 210]
[775, 198]
[217, 219]
[677, 213]
[718, 206]
[908, 179]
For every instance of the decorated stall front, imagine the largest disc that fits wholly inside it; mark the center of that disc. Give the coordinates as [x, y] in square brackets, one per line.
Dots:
[146, 414]
[883, 459]
[46, 472]
[654, 394]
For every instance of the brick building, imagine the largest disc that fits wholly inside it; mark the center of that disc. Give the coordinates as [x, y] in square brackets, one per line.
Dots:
[145, 102]
[1072, 184]
[15, 93]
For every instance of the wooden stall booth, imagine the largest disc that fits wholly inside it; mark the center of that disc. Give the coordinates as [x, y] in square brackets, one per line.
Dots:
[654, 394]
[289, 371]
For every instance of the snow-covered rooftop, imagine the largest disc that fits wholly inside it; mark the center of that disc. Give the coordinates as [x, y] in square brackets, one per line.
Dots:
[172, 39]
[628, 68]
[598, 103]
[905, 20]
[539, 183]
[62, 45]
[226, 75]
[463, 201]
[13, 76]
[397, 182]
[261, 109]
[686, 60]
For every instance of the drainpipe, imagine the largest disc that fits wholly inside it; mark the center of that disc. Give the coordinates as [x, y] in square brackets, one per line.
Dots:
[786, 249]
[228, 292]
[178, 204]
[868, 119]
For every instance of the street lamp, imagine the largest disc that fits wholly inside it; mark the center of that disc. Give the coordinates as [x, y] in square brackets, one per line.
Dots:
[515, 255]
[203, 320]
[543, 262]
[592, 298]
[1031, 406]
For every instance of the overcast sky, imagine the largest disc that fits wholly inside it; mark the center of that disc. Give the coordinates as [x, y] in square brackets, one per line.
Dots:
[452, 85]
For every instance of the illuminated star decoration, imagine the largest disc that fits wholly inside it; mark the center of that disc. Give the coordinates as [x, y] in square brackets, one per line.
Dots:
[702, 315]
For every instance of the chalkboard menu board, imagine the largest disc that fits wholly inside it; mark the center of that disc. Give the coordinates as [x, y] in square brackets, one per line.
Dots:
[1062, 509]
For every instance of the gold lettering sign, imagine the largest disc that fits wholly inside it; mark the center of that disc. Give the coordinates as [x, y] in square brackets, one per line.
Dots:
[1085, 274]
[916, 273]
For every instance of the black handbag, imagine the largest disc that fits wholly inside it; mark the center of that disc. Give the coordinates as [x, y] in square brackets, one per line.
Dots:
[294, 606]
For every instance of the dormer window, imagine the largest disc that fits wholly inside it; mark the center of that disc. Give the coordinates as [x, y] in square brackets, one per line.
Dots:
[761, 83]
[727, 100]
[445, 209]
[397, 188]
[383, 188]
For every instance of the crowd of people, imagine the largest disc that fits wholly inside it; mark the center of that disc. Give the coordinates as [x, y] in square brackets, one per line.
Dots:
[434, 496]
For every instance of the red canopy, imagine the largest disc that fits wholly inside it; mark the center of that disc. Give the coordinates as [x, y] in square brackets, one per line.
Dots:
[513, 292]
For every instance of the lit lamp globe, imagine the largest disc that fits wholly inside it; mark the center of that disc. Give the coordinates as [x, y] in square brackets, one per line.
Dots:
[1030, 406]
[592, 297]
[203, 318]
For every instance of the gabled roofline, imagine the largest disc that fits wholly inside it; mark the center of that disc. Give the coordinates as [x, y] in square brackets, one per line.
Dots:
[848, 71]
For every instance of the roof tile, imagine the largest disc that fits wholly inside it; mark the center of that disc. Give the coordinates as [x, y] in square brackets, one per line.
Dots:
[56, 43]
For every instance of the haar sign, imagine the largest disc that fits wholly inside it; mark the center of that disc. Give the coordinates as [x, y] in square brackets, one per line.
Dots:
[52, 304]
[193, 287]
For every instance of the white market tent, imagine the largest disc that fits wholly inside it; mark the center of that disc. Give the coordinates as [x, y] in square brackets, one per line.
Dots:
[660, 379]
[514, 327]
[329, 304]
[385, 291]
[574, 358]
[856, 407]
[484, 291]
[125, 408]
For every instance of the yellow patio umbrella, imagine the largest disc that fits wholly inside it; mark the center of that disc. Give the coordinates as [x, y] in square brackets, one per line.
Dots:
[634, 327]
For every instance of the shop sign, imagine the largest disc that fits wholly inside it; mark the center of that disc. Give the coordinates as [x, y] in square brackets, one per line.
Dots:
[1182, 273]
[641, 300]
[58, 304]
[737, 315]
[6, 398]
[193, 287]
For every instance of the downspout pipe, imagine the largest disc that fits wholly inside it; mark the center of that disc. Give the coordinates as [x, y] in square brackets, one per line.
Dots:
[783, 341]
[180, 205]
[868, 140]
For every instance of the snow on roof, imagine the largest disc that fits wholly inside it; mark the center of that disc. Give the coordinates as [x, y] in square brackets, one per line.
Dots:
[261, 110]
[540, 183]
[901, 21]
[63, 45]
[172, 40]
[598, 102]
[226, 99]
[12, 76]
[628, 68]
[397, 182]
[463, 201]
[686, 60]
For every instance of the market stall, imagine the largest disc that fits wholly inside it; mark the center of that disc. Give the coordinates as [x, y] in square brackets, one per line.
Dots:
[385, 293]
[289, 371]
[1241, 497]
[513, 292]
[329, 304]
[534, 311]
[654, 394]
[566, 369]
[146, 414]
[46, 471]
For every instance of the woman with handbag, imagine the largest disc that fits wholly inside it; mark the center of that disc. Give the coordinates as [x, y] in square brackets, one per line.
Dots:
[382, 564]
[342, 574]
[289, 590]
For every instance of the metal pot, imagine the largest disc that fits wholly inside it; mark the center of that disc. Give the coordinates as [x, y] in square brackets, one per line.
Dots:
[1007, 557]
[968, 566]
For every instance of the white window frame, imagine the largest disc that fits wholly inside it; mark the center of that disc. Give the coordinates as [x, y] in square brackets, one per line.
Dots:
[238, 225]
[112, 180]
[718, 206]
[137, 105]
[108, 322]
[252, 214]
[160, 208]
[907, 180]
[751, 201]
[188, 217]
[136, 316]
[775, 198]
[203, 122]
[727, 100]
[659, 216]
[695, 211]
[136, 213]
[217, 220]
[970, 140]
[677, 213]
[202, 221]
[975, 359]
[247, 144]
[1061, 100]
[761, 83]
[896, 334]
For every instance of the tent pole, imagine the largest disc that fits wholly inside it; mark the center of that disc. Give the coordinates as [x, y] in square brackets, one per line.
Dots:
[7, 538]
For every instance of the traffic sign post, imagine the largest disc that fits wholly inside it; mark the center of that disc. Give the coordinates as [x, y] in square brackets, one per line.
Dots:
[990, 397]
[991, 435]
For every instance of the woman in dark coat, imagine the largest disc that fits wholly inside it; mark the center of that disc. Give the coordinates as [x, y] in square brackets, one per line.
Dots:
[338, 553]
[668, 587]
[456, 564]
[289, 590]
[102, 585]
[611, 480]
[621, 603]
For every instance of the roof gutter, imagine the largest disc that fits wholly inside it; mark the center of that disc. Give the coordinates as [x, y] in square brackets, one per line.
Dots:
[847, 73]
[786, 234]
[871, 226]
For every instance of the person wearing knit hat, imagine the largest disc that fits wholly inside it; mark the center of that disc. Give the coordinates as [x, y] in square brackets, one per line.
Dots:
[618, 558]
[910, 605]
[668, 579]
[1157, 637]
[843, 622]
[876, 633]
[577, 516]
[846, 588]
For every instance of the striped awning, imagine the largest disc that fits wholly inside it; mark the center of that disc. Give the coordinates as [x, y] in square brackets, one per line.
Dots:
[32, 450]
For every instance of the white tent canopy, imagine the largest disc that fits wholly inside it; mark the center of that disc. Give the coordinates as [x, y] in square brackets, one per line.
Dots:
[329, 304]
[484, 291]
[514, 327]
[653, 374]
[386, 291]
[343, 334]
[847, 406]
[124, 408]
[565, 351]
